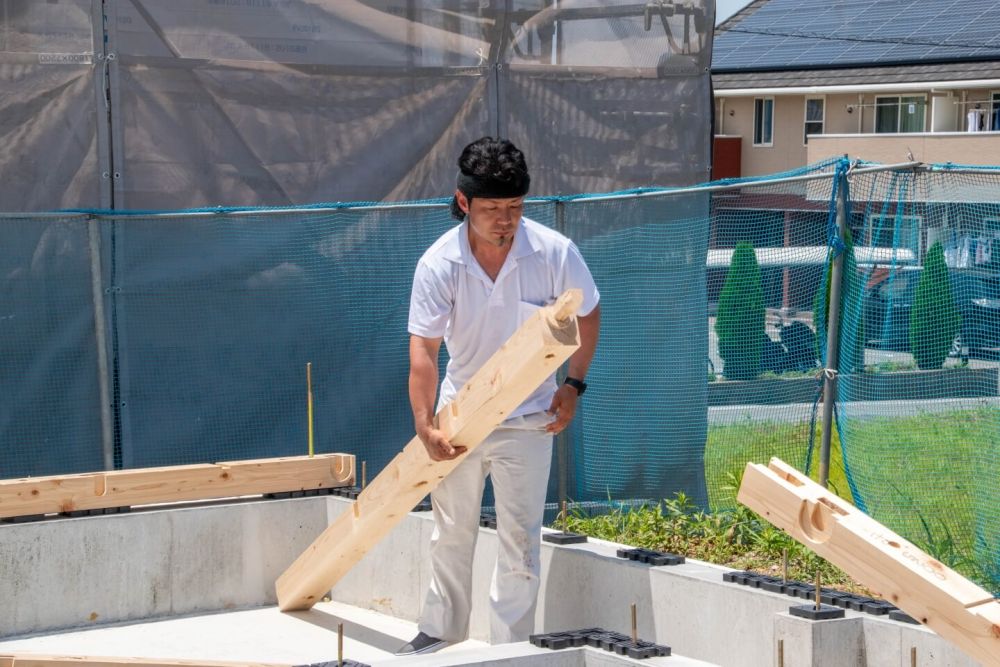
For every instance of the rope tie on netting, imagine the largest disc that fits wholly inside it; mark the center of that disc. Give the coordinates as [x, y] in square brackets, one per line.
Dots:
[849, 174]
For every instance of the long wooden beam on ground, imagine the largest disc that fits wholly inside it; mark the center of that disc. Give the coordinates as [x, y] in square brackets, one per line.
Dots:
[28, 660]
[532, 354]
[937, 596]
[98, 490]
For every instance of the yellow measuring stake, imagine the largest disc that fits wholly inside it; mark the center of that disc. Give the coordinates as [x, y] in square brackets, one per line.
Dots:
[309, 402]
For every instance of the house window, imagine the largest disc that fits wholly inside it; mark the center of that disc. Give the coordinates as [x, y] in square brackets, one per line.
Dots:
[815, 112]
[763, 121]
[899, 114]
[995, 113]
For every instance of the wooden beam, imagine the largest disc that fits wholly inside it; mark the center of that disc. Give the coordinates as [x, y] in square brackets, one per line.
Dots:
[926, 589]
[523, 363]
[45, 495]
[28, 660]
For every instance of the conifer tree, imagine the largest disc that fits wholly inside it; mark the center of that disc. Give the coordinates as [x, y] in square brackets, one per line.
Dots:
[934, 318]
[739, 322]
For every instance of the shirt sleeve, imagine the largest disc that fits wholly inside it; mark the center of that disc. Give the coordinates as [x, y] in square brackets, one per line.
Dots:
[576, 274]
[430, 303]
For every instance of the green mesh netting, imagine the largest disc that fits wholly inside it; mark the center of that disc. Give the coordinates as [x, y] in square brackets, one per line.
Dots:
[713, 342]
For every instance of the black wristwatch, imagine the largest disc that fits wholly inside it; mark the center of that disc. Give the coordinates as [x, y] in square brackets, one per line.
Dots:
[579, 385]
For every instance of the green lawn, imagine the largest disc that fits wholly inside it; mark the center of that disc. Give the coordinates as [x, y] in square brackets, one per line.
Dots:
[923, 476]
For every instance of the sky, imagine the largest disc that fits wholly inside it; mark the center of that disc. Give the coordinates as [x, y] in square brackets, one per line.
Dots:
[726, 8]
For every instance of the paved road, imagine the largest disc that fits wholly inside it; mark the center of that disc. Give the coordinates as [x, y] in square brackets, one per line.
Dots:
[800, 412]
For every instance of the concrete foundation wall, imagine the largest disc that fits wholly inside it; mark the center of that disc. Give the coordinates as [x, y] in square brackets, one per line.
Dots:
[64, 573]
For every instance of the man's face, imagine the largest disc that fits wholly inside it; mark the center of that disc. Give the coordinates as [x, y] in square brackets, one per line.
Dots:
[493, 220]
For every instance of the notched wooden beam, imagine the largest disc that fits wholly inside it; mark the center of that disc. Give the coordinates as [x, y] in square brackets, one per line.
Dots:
[145, 486]
[535, 351]
[923, 587]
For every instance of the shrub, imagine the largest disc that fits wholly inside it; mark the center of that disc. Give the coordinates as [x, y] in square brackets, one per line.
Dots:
[934, 319]
[739, 322]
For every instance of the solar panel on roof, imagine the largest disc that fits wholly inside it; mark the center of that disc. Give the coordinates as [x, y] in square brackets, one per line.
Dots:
[821, 33]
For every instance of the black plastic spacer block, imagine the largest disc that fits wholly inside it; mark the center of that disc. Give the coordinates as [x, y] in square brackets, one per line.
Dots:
[278, 495]
[650, 557]
[564, 538]
[810, 612]
[559, 640]
[804, 591]
[877, 607]
[642, 650]
[902, 617]
[773, 587]
[833, 598]
[24, 518]
[742, 578]
[858, 602]
[729, 577]
[639, 653]
[608, 643]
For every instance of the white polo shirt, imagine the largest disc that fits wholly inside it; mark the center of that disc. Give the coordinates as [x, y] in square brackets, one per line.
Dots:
[453, 298]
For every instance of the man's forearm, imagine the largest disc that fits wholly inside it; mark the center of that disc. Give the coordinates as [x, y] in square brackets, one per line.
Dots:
[590, 326]
[423, 390]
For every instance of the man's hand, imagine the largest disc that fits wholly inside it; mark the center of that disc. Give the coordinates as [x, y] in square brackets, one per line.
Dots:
[563, 407]
[437, 445]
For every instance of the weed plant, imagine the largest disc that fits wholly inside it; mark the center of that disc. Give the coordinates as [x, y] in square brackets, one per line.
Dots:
[738, 538]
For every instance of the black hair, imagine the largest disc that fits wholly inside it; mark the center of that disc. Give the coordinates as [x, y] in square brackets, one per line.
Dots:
[490, 167]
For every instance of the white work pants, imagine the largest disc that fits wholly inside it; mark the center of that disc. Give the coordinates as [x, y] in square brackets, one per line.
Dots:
[518, 461]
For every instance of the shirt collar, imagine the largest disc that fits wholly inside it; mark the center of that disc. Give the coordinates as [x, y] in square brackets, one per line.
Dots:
[460, 251]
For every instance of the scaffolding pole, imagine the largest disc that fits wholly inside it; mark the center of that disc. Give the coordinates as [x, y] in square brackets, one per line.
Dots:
[833, 333]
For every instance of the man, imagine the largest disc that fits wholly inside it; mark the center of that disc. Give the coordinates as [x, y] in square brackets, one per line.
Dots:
[473, 288]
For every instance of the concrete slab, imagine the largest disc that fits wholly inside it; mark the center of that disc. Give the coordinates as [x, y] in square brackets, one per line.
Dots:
[267, 635]
[254, 635]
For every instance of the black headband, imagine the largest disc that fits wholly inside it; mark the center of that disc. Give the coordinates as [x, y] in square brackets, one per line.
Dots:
[492, 188]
